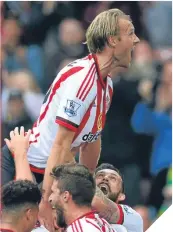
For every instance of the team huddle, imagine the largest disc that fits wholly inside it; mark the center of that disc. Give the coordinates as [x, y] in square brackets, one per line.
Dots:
[75, 197]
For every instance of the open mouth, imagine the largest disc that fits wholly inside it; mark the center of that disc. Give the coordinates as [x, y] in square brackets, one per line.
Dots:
[104, 188]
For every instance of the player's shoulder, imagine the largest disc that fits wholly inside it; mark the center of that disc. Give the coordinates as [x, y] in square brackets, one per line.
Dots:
[87, 224]
[127, 209]
[132, 218]
[83, 65]
[82, 226]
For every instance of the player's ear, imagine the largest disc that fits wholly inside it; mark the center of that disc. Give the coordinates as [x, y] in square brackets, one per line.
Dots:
[121, 197]
[112, 41]
[66, 196]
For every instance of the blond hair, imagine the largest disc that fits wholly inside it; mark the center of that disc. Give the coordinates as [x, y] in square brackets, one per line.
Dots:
[102, 27]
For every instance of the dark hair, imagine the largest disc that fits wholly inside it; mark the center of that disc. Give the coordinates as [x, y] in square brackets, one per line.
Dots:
[77, 180]
[111, 167]
[18, 193]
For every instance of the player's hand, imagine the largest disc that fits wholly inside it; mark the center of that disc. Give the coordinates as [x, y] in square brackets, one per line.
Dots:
[46, 216]
[18, 142]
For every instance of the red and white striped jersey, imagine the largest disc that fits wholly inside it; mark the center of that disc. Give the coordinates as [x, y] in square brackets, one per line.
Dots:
[77, 99]
[90, 222]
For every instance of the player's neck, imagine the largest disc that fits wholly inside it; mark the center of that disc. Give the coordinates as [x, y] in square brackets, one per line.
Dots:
[105, 62]
[9, 226]
[75, 213]
[8, 223]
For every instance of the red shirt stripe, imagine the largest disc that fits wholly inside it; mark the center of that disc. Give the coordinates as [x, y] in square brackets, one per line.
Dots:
[84, 121]
[121, 219]
[99, 98]
[79, 93]
[66, 124]
[57, 85]
[92, 78]
[73, 229]
[80, 225]
[77, 230]
[93, 225]
[98, 71]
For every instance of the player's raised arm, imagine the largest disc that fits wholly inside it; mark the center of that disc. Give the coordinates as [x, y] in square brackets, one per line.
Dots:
[105, 207]
[60, 154]
[18, 144]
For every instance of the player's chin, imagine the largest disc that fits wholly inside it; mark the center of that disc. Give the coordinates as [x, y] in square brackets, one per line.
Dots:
[124, 67]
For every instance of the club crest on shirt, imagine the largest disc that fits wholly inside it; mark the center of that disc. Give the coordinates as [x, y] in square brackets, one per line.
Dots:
[99, 122]
[71, 108]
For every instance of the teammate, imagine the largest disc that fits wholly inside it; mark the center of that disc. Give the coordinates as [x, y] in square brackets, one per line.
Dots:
[72, 192]
[19, 202]
[110, 182]
[74, 110]
[111, 185]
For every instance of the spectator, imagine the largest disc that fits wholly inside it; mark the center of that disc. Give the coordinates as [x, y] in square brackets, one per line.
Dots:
[121, 146]
[20, 57]
[157, 122]
[158, 28]
[143, 65]
[20, 200]
[23, 81]
[16, 114]
[62, 43]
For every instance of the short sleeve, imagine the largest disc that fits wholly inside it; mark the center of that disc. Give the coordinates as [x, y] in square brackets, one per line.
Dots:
[77, 94]
[132, 221]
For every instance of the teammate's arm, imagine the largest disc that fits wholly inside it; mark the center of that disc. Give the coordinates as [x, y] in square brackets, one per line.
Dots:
[18, 145]
[60, 154]
[90, 154]
[105, 207]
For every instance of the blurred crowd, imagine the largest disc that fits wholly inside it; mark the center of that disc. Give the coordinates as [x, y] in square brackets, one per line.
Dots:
[39, 38]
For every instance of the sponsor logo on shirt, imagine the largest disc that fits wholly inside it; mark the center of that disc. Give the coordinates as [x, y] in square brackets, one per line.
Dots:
[71, 108]
[91, 137]
[127, 209]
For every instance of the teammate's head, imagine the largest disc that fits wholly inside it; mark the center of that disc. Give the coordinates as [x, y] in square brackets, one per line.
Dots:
[20, 200]
[73, 185]
[110, 181]
[112, 31]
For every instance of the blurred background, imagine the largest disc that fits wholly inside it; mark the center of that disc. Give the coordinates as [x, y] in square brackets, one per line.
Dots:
[39, 38]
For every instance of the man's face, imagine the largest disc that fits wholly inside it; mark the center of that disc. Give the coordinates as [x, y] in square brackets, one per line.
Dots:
[16, 108]
[11, 31]
[125, 44]
[110, 182]
[56, 200]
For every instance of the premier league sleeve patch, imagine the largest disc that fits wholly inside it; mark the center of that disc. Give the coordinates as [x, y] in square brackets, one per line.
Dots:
[71, 108]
